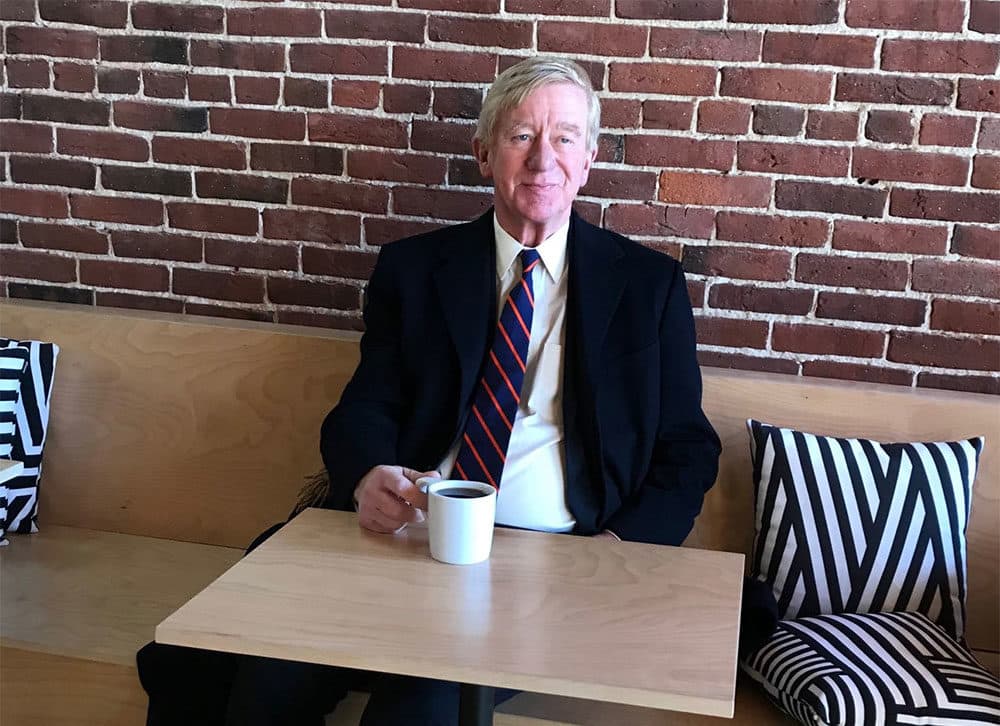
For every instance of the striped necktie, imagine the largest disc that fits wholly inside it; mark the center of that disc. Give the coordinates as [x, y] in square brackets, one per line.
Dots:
[483, 450]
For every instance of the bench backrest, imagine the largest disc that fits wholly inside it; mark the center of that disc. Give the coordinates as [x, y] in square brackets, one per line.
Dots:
[203, 430]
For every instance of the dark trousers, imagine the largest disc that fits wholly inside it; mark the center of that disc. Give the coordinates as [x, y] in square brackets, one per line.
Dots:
[191, 686]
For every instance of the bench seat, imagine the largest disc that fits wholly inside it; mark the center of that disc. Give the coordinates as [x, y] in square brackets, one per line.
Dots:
[174, 440]
[72, 661]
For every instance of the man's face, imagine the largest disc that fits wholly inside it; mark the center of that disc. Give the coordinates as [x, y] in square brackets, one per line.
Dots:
[539, 160]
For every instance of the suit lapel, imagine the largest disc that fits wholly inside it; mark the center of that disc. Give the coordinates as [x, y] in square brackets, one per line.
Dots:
[465, 278]
[596, 284]
[597, 280]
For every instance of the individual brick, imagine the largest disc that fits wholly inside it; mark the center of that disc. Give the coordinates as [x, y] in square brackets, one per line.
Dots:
[898, 89]
[371, 25]
[54, 172]
[870, 273]
[723, 117]
[73, 77]
[911, 166]
[832, 198]
[758, 299]
[939, 15]
[122, 274]
[784, 12]
[226, 219]
[665, 78]
[890, 237]
[942, 129]
[963, 316]
[126, 210]
[696, 44]
[871, 308]
[277, 21]
[832, 125]
[742, 263]
[851, 51]
[440, 65]
[827, 340]
[490, 32]
[772, 229]
[678, 187]
[889, 127]
[966, 277]
[945, 205]
[656, 10]
[778, 120]
[777, 84]
[309, 226]
[944, 351]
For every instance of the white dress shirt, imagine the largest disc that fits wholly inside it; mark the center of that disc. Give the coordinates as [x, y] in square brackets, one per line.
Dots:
[532, 492]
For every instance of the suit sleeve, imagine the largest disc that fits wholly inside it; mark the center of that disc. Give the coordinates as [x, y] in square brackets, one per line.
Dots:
[363, 428]
[685, 457]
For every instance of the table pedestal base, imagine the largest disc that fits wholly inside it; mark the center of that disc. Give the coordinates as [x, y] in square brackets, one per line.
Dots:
[475, 705]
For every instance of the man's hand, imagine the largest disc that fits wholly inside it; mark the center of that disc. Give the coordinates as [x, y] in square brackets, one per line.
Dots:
[388, 498]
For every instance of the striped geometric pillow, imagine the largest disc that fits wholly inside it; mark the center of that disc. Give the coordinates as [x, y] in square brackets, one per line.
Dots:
[855, 526]
[875, 668]
[32, 414]
[13, 362]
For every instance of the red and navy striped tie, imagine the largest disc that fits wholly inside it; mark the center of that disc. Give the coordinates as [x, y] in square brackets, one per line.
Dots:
[487, 432]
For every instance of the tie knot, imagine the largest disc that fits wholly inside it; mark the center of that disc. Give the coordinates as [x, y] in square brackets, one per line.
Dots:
[529, 258]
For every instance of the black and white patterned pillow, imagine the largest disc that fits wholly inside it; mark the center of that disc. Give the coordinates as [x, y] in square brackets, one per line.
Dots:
[851, 525]
[32, 417]
[874, 668]
[13, 362]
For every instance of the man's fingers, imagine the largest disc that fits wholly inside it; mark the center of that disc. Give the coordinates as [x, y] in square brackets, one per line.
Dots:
[375, 525]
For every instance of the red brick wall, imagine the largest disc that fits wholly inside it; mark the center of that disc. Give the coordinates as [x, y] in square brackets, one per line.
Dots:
[827, 171]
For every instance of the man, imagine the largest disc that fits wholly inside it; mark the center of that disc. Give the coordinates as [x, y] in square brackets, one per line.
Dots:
[526, 348]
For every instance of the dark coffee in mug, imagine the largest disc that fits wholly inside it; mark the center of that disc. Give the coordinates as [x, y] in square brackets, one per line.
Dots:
[461, 493]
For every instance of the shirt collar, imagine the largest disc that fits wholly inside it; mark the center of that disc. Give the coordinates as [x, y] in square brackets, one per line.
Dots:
[551, 250]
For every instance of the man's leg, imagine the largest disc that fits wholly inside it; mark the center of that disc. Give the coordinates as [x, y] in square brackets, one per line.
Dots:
[272, 692]
[185, 685]
[407, 701]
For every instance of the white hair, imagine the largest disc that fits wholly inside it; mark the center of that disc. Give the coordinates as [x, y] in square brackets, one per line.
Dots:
[515, 84]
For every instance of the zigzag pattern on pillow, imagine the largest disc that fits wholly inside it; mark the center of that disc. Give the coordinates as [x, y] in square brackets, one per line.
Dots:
[850, 525]
[32, 418]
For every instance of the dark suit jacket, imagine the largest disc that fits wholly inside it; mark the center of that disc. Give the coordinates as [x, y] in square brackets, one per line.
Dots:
[640, 453]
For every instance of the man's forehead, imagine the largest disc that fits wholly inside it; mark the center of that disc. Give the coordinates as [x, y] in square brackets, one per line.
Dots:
[568, 116]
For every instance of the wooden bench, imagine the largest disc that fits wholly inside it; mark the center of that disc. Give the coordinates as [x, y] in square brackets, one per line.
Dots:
[174, 440]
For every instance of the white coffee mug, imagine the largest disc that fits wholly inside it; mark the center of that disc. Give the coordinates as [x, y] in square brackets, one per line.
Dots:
[459, 519]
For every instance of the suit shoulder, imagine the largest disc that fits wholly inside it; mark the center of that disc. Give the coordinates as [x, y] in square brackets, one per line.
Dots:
[637, 255]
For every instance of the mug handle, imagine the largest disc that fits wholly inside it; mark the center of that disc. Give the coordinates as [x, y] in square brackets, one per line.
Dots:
[425, 481]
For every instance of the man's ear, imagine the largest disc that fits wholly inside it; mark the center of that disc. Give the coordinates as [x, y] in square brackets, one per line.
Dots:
[588, 162]
[482, 158]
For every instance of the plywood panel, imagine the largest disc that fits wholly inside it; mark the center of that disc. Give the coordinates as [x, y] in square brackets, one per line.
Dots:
[180, 427]
[40, 688]
[97, 595]
[201, 430]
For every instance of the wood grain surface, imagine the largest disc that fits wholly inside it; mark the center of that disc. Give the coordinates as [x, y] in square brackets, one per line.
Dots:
[187, 428]
[97, 595]
[620, 621]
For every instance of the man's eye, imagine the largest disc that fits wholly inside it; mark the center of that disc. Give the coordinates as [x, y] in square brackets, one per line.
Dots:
[565, 140]
[522, 137]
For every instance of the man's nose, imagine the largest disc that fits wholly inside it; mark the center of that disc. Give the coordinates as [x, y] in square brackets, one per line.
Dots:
[542, 154]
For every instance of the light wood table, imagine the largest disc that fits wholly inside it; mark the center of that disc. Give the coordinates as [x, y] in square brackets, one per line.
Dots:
[614, 621]
[9, 469]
